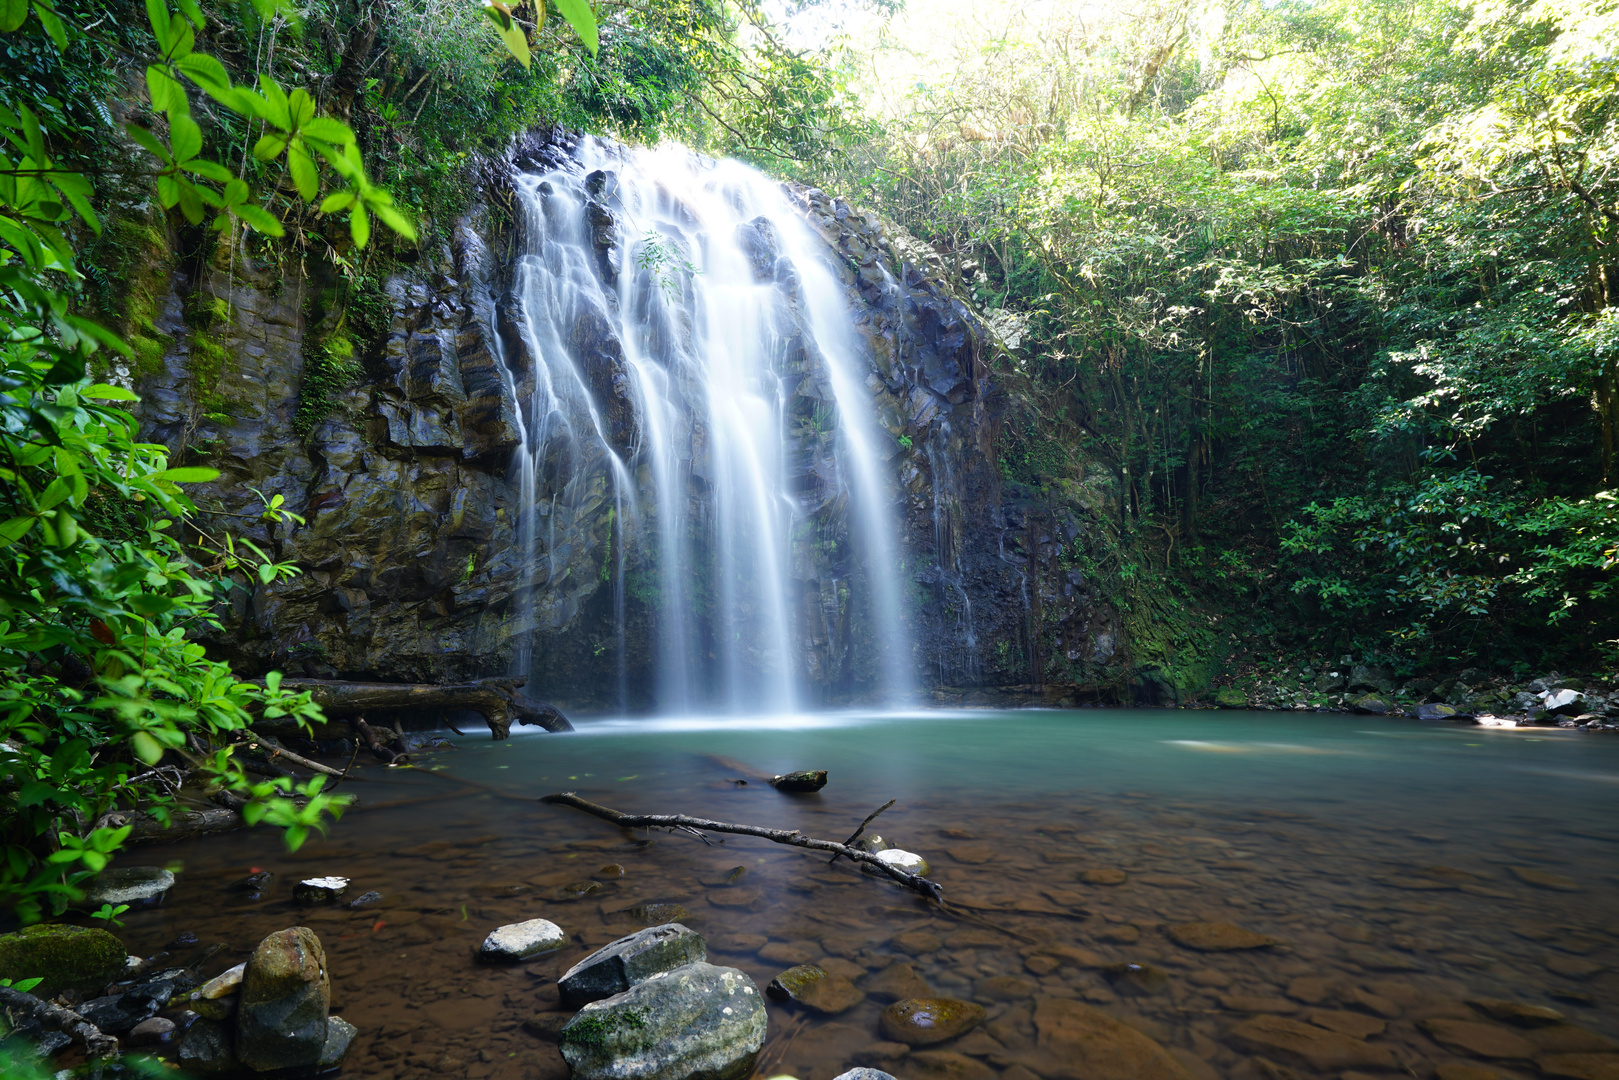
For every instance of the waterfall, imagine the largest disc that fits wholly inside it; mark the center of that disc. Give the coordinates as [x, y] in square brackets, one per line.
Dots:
[699, 440]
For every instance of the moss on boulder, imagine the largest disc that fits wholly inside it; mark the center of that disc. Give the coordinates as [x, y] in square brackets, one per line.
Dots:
[65, 957]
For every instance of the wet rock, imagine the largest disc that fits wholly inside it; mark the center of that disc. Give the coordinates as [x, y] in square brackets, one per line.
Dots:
[863, 1073]
[152, 1032]
[1256, 1003]
[547, 1025]
[339, 1037]
[63, 957]
[610, 872]
[1120, 934]
[881, 1053]
[1455, 1070]
[918, 942]
[658, 914]
[925, 1021]
[1514, 1012]
[1208, 977]
[802, 783]
[1355, 1024]
[695, 1021]
[1569, 1039]
[1104, 876]
[1311, 989]
[1078, 1042]
[575, 890]
[946, 1065]
[286, 990]
[1005, 988]
[1136, 979]
[1218, 937]
[908, 861]
[206, 1048]
[1477, 1040]
[1370, 677]
[622, 964]
[254, 884]
[118, 1013]
[1229, 697]
[1573, 967]
[971, 854]
[519, 941]
[739, 943]
[1371, 705]
[1580, 1066]
[1305, 1044]
[137, 886]
[217, 998]
[319, 890]
[897, 982]
[746, 898]
[1435, 712]
[813, 988]
[1542, 879]
[790, 952]
[364, 900]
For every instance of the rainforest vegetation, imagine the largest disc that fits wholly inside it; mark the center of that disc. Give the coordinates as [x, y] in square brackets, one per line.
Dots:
[1319, 294]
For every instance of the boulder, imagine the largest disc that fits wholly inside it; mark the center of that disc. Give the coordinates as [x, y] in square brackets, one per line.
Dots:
[63, 957]
[622, 964]
[1230, 698]
[697, 1021]
[1436, 711]
[286, 991]
[812, 988]
[205, 1048]
[137, 886]
[519, 941]
[1371, 677]
[925, 1021]
[1564, 702]
[1077, 1042]
[1329, 683]
[1370, 705]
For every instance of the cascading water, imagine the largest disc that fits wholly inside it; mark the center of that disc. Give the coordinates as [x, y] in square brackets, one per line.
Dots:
[684, 353]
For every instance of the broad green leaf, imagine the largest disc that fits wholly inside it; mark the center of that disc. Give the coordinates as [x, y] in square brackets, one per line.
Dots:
[12, 15]
[269, 147]
[275, 102]
[509, 31]
[396, 221]
[53, 26]
[56, 491]
[190, 199]
[158, 13]
[185, 137]
[208, 170]
[359, 226]
[166, 94]
[206, 71]
[146, 748]
[106, 392]
[328, 129]
[302, 167]
[300, 107]
[151, 142]
[581, 18]
[236, 192]
[15, 529]
[260, 219]
[337, 200]
[187, 474]
[192, 12]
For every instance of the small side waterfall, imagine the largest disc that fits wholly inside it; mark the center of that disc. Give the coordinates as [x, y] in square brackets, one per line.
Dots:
[699, 441]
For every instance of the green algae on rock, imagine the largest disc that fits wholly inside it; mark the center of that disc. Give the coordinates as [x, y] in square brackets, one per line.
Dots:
[62, 957]
[925, 1021]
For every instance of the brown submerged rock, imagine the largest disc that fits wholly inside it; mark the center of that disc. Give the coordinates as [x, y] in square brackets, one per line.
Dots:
[1580, 1066]
[946, 1065]
[1077, 1042]
[1104, 876]
[1218, 937]
[1306, 1044]
[925, 1021]
[1477, 1040]
[812, 988]
[897, 982]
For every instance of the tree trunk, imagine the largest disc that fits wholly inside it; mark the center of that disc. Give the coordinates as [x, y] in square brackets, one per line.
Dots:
[499, 700]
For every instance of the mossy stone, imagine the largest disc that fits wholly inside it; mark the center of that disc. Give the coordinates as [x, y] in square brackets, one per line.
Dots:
[1231, 698]
[65, 957]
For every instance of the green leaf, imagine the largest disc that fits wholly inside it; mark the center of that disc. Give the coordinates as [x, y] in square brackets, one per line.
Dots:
[166, 94]
[185, 137]
[300, 108]
[53, 26]
[396, 221]
[15, 529]
[158, 13]
[275, 102]
[146, 748]
[107, 392]
[56, 491]
[328, 129]
[510, 33]
[302, 167]
[581, 18]
[260, 219]
[359, 226]
[337, 200]
[187, 474]
[208, 170]
[206, 71]
[151, 142]
[12, 14]
[269, 147]
[192, 12]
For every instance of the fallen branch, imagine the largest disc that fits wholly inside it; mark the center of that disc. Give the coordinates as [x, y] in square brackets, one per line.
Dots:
[793, 838]
[273, 752]
[97, 1043]
[499, 700]
[856, 834]
[371, 740]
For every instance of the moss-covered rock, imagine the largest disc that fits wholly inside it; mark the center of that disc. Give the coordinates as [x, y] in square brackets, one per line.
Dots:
[1231, 698]
[65, 957]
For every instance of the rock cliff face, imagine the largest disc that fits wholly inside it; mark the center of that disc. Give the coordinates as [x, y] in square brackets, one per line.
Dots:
[411, 564]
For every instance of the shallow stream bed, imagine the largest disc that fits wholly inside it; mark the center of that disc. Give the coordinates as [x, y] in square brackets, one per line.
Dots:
[1404, 868]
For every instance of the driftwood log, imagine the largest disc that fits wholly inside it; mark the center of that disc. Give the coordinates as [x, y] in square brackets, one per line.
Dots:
[97, 1043]
[792, 837]
[499, 700]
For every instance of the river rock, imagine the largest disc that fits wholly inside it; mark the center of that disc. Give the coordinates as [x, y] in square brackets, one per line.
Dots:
[813, 988]
[899, 859]
[217, 998]
[1514, 1012]
[800, 782]
[1435, 711]
[1564, 702]
[1218, 937]
[137, 886]
[1136, 979]
[205, 1048]
[118, 1013]
[616, 967]
[1580, 1066]
[151, 1032]
[286, 990]
[1306, 1044]
[519, 941]
[1477, 1040]
[946, 1065]
[339, 1037]
[364, 900]
[319, 890]
[1077, 1042]
[1103, 875]
[1542, 879]
[695, 1021]
[1371, 705]
[863, 1073]
[64, 957]
[925, 1021]
[897, 982]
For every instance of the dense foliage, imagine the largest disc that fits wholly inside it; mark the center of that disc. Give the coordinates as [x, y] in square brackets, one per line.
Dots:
[1326, 284]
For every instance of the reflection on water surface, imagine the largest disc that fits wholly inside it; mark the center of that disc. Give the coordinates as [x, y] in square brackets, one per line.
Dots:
[1404, 868]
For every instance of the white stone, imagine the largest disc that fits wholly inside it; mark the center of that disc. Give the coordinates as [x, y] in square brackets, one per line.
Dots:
[900, 859]
[1494, 721]
[519, 941]
[137, 886]
[320, 888]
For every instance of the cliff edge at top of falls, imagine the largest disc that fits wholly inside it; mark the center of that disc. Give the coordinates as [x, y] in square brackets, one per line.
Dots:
[411, 564]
